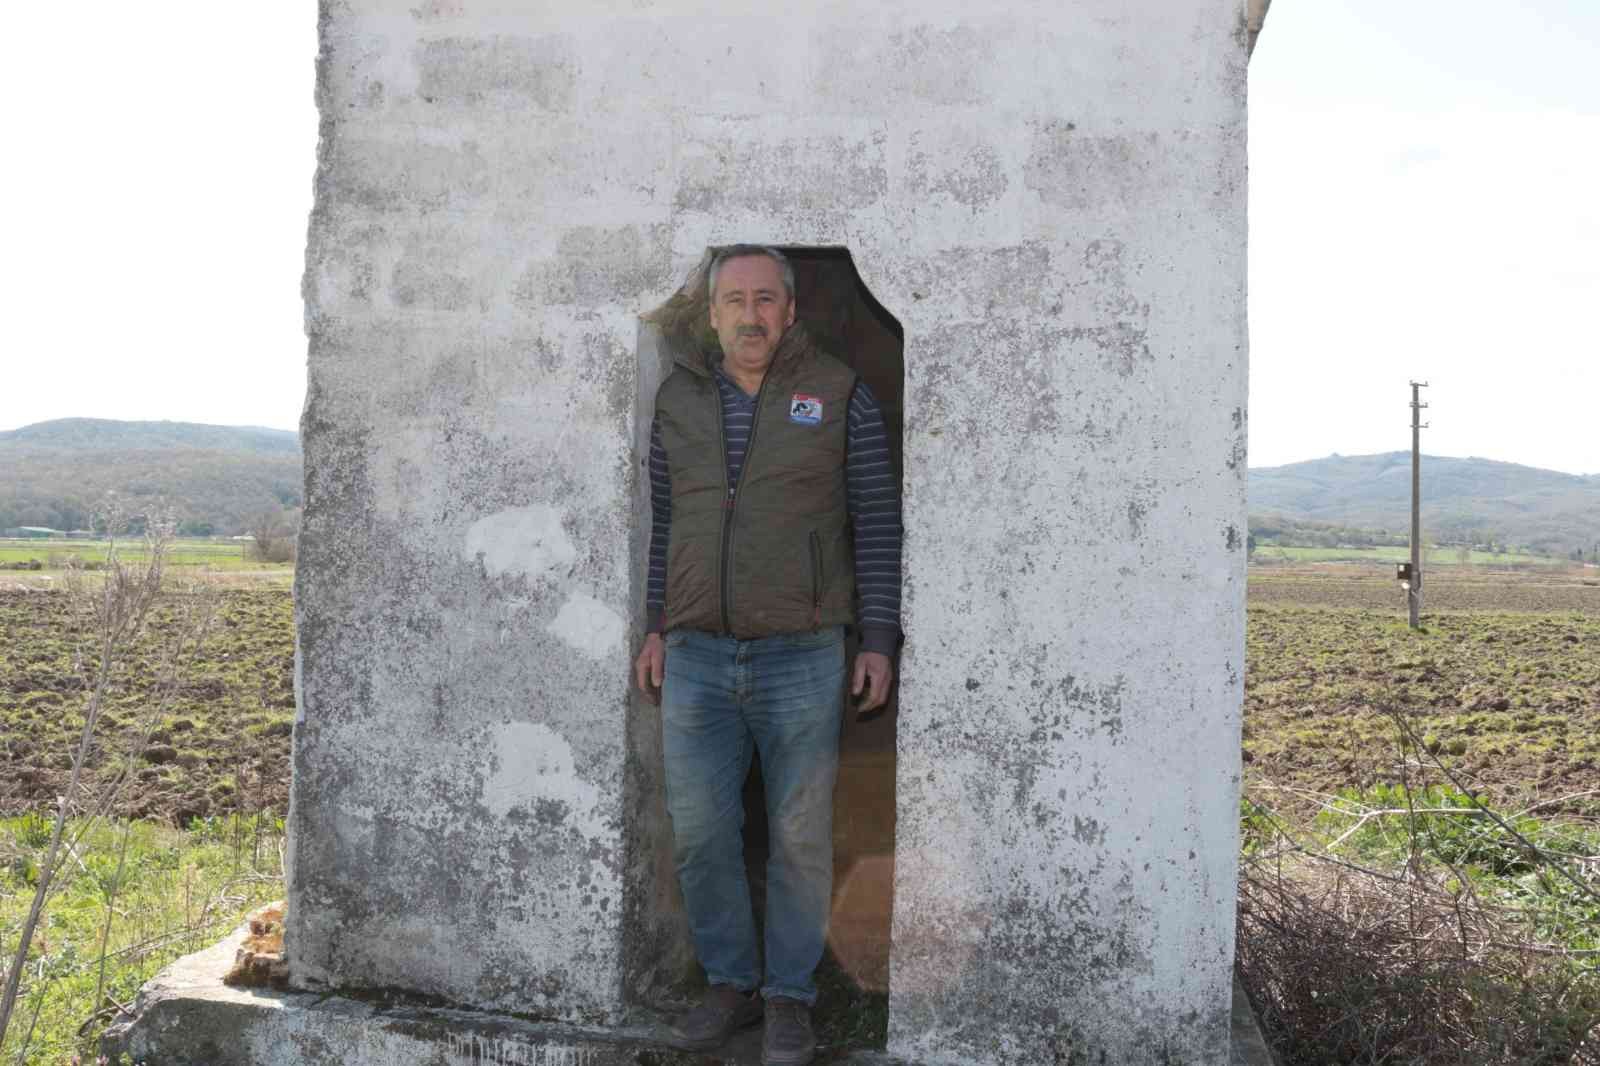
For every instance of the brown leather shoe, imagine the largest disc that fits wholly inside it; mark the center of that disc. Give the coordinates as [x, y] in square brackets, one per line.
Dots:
[722, 1011]
[788, 1040]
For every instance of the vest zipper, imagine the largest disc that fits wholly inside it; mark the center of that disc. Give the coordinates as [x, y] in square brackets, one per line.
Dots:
[731, 500]
[816, 581]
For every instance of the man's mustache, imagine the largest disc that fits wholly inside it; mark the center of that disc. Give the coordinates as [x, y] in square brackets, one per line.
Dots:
[752, 331]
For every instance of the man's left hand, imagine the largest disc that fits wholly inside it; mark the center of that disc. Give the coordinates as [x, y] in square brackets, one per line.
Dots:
[874, 673]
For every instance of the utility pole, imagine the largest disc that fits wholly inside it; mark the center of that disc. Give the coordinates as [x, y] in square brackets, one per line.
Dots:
[1414, 588]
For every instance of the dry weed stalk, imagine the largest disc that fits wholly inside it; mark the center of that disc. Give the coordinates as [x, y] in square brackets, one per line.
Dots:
[116, 604]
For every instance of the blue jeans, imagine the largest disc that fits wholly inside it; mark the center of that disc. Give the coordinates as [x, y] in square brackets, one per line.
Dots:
[723, 699]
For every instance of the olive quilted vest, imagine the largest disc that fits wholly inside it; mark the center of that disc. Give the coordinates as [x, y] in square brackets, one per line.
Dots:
[772, 554]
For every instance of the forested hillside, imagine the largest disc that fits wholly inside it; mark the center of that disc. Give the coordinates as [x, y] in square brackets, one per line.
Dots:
[1464, 501]
[214, 479]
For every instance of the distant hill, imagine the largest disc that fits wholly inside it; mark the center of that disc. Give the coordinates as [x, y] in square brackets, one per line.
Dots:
[95, 434]
[1463, 500]
[215, 479]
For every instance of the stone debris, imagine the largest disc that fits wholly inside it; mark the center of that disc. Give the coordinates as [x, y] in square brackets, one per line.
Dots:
[259, 960]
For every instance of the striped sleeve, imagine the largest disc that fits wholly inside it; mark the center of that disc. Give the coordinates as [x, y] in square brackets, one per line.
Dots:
[655, 595]
[874, 501]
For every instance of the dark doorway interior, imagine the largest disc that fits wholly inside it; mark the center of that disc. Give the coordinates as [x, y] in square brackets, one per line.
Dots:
[837, 307]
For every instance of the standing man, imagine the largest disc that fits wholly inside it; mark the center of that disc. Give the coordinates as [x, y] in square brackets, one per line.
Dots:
[762, 460]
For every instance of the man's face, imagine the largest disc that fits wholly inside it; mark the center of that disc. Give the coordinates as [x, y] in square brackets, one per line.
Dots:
[750, 311]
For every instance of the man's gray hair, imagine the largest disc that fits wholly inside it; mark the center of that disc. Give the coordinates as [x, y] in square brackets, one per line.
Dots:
[740, 251]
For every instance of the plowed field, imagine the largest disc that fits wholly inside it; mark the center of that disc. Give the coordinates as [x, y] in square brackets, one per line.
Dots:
[222, 743]
[1502, 683]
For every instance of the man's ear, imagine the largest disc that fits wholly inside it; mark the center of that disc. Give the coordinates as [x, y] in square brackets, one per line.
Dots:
[789, 321]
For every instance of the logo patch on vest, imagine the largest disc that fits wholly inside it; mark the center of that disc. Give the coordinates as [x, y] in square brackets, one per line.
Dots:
[806, 410]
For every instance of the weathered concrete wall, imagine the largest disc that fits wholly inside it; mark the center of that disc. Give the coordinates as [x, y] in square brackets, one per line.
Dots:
[1051, 199]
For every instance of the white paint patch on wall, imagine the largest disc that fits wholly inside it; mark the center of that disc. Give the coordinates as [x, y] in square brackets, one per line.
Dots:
[523, 540]
[475, 1049]
[533, 762]
[590, 626]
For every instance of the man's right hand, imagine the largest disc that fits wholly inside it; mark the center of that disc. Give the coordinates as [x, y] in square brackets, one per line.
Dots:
[648, 667]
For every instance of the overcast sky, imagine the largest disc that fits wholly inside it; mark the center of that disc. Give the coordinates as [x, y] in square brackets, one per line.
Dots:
[1422, 192]
[1423, 182]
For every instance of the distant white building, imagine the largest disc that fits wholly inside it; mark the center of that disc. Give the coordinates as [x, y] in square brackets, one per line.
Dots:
[34, 532]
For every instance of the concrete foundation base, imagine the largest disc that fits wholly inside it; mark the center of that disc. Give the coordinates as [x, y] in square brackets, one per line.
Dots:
[188, 1017]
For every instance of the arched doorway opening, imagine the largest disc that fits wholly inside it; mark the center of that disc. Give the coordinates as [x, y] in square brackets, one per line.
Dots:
[840, 311]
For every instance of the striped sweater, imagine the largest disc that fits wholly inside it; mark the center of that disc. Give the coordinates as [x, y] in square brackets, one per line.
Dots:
[873, 496]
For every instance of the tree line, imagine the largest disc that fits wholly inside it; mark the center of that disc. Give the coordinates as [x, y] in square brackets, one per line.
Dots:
[209, 493]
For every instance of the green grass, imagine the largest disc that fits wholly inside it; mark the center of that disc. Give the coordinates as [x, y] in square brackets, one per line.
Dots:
[1449, 824]
[217, 755]
[1444, 827]
[178, 891]
[1431, 557]
[56, 554]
